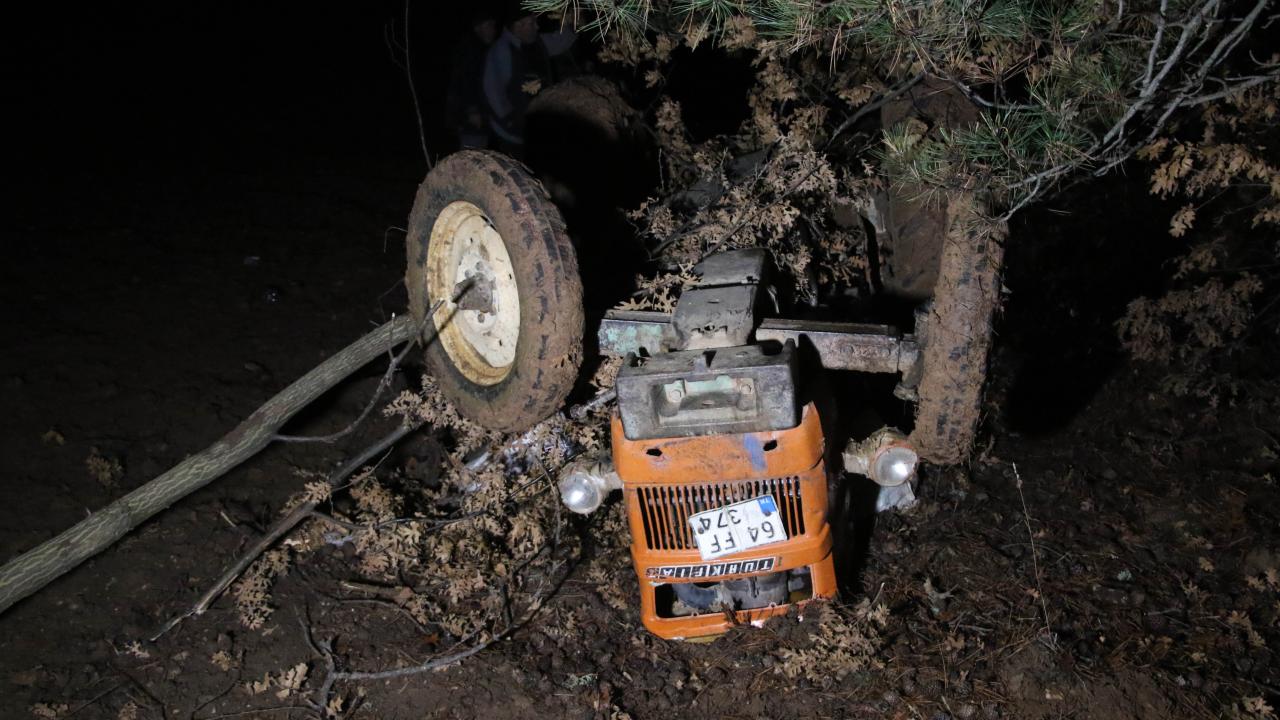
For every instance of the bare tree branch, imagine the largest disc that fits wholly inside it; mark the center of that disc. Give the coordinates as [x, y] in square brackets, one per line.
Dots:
[284, 525]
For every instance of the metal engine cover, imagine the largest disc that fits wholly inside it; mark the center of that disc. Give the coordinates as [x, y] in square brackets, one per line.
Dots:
[748, 388]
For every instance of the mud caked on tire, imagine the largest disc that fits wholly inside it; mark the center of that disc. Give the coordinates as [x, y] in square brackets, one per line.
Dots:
[954, 332]
[942, 251]
[484, 237]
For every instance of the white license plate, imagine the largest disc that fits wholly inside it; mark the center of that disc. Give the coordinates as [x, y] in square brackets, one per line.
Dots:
[737, 527]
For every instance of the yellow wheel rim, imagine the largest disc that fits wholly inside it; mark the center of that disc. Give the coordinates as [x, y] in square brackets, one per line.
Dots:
[468, 266]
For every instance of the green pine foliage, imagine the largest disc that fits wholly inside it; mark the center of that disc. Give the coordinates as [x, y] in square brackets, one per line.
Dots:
[1064, 88]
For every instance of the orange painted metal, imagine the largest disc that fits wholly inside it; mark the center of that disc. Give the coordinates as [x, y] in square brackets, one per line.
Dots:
[666, 480]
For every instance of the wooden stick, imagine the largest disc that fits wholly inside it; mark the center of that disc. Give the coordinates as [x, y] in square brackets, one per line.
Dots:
[284, 525]
[36, 568]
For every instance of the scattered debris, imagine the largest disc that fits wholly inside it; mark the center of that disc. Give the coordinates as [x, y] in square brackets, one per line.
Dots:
[105, 469]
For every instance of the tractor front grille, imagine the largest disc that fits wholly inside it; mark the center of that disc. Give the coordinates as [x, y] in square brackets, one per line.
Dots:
[665, 509]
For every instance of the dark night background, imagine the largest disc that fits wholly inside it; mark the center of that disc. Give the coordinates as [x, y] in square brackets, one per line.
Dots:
[125, 85]
[201, 202]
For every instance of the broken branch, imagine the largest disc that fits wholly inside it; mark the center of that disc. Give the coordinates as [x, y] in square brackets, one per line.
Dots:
[285, 524]
[36, 568]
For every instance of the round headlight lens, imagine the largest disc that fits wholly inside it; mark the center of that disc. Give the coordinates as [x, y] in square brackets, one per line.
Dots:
[581, 493]
[894, 466]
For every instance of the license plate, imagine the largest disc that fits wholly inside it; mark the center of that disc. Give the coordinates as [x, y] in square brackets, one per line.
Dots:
[737, 527]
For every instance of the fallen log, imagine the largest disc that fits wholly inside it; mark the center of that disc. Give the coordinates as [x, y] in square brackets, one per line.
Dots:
[36, 568]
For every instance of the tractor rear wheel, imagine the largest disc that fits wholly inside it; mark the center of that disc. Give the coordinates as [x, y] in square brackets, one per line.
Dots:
[940, 250]
[954, 332]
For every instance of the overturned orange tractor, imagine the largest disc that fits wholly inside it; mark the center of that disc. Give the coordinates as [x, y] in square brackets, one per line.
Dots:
[717, 442]
[726, 528]
[723, 467]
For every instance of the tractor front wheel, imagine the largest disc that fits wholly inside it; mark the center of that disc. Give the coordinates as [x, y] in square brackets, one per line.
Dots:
[487, 243]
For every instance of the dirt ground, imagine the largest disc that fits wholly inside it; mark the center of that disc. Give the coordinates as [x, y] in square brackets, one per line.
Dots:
[1111, 552]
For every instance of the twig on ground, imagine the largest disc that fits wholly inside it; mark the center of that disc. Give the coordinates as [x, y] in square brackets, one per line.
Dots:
[432, 664]
[215, 698]
[1035, 555]
[285, 524]
[308, 509]
[387, 232]
[254, 711]
[95, 699]
[353, 529]
[401, 610]
[324, 648]
[576, 413]
[383, 384]
[148, 698]
[35, 568]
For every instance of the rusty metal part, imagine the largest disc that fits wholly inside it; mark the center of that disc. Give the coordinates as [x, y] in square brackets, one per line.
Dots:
[735, 267]
[714, 317]
[642, 332]
[847, 346]
[750, 388]
[719, 311]
[839, 346]
[905, 390]
[474, 294]
[691, 392]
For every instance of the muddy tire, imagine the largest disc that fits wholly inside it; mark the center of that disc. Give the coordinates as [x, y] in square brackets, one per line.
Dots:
[954, 332]
[943, 253]
[914, 221]
[484, 235]
[910, 249]
[587, 104]
[578, 127]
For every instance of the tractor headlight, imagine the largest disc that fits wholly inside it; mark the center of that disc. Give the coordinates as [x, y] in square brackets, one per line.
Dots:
[894, 465]
[885, 457]
[584, 484]
[580, 493]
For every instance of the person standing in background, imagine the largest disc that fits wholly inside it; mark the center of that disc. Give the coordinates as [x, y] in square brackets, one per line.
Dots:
[517, 66]
[466, 110]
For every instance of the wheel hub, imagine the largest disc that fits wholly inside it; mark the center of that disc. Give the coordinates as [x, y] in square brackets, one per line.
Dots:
[468, 266]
